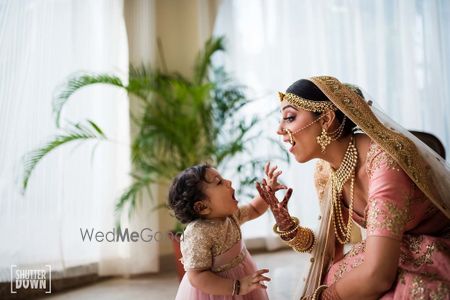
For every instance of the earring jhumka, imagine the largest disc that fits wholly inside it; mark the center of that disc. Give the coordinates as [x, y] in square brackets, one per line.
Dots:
[324, 139]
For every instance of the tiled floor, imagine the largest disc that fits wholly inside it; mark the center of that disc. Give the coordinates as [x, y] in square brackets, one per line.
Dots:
[283, 267]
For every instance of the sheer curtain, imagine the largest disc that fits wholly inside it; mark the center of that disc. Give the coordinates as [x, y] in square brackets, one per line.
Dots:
[42, 43]
[398, 51]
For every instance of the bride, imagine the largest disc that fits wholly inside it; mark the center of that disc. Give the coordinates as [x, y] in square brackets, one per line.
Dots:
[379, 179]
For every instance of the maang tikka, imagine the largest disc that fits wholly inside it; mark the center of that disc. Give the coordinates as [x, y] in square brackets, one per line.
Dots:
[324, 139]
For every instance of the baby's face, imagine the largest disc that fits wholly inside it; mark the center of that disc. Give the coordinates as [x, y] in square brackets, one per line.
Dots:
[220, 193]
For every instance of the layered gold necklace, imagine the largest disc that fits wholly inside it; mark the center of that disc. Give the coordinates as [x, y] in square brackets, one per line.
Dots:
[345, 172]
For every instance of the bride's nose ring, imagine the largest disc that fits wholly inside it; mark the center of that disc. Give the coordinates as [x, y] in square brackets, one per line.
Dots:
[289, 133]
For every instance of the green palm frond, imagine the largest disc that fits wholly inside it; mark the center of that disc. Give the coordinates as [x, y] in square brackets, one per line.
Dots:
[142, 81]
[203, 60]
[75, 132]
[132, 193]
[77, 82]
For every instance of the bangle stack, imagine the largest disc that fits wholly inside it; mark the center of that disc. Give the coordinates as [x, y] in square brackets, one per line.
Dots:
[236, 287]
[282, 233]
[303, 240]
[329, 293]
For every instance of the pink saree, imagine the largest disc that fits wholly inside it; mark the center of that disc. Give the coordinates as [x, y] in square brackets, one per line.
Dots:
[399, 210]
[408, 200]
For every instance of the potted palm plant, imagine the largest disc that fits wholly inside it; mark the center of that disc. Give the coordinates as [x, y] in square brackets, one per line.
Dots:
[182, 122]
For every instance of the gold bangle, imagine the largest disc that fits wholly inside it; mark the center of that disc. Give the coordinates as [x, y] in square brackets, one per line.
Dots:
[312, 242]
[330, 293]
[303, 236]
[318, 291]
[236, 287]
[287, 232]
[303, 241]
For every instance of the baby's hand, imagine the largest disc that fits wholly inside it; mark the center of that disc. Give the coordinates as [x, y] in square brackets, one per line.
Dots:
[253, 282]
[272, 177]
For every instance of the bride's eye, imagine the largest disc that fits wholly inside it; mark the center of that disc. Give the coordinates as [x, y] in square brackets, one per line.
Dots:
[289, 119]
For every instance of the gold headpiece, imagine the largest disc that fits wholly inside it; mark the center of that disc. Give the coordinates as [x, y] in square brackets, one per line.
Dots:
[306, 104]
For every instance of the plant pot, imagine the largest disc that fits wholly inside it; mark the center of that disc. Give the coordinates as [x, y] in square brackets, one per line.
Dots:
[175, 237]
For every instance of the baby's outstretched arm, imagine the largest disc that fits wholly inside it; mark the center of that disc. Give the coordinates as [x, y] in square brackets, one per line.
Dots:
[210, 283]
[258, 205]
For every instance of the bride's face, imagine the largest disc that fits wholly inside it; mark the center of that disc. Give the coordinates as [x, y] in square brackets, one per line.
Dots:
[305, 145]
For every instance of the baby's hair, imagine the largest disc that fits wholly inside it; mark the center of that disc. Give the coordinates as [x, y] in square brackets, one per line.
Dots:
[185, 190]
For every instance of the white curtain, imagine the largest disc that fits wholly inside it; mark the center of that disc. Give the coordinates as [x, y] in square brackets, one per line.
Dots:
[398, 51]
[42, 42]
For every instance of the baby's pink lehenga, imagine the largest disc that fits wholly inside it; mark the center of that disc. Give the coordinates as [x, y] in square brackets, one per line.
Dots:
[234, 263]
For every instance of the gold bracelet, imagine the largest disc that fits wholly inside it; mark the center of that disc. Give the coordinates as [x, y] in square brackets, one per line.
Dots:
[302, 237]
[318, 291]
[330, 293]
[312, 241]
[303, 241]
[287, 232]
[236, 287]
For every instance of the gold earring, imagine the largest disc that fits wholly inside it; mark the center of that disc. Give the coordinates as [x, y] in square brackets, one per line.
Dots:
[291, 138]
[323, 140]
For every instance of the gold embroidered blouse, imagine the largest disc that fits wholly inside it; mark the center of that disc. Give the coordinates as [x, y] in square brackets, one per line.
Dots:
[395, 204]
[204, 239]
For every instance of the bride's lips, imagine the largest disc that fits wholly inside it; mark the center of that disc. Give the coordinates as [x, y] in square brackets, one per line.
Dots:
[292, 145]
[292, 148]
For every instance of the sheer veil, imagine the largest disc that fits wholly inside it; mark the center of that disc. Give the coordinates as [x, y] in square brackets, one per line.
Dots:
[425, 167]
[437, 168]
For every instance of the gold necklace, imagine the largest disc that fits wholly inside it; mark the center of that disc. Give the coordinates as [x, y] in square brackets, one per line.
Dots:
[345, 172]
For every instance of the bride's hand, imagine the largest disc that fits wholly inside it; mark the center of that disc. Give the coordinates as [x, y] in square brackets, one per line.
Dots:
[279, 209]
